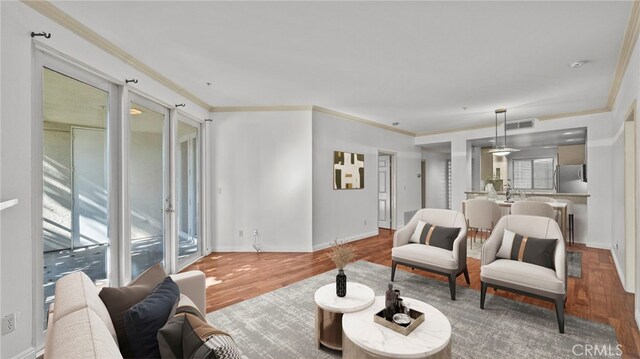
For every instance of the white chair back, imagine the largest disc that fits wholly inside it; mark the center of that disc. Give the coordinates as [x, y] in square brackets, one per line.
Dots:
[532, 208]
[482, 213]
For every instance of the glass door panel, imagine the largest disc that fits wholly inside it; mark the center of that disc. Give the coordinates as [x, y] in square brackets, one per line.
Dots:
[187, 190]
[147, 184]
[75, 180]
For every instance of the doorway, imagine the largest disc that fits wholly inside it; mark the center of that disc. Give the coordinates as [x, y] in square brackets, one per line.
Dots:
[630, 199]
[386, 190]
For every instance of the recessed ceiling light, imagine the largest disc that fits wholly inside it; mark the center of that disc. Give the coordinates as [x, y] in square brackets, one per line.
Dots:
[395, 123]
[492, 140]
[571, 139]
[577, 64]
[134, 111]
[548, 146]
[568, 133]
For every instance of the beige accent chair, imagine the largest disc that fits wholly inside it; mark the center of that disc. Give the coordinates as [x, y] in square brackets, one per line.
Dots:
[540, 199]
[481, 214]
[433, 259]
[532, 208]
[521, 277]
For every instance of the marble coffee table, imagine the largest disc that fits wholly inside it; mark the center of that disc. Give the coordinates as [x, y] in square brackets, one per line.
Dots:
[330, 309]
[363, 338]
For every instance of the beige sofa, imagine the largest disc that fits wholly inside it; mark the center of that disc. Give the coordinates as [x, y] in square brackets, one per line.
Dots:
[80, 326]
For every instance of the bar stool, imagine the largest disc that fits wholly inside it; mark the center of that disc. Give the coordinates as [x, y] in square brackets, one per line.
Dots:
[533, 208]
[570, 225]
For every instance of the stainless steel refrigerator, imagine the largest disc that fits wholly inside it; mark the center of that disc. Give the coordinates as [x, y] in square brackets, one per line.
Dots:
[570, 179]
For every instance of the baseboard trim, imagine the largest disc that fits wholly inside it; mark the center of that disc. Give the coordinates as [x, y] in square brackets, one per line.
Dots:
[30, 353]
[263, 248]
[357, 237]
[598, 245]
[619, 270]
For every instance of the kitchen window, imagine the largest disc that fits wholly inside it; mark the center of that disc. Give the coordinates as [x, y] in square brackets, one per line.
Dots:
[535, 173]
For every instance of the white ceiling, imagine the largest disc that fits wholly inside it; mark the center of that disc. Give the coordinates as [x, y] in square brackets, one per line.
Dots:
[416, 63]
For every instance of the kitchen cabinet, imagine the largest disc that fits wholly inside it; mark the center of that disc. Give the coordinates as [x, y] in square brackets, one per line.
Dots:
[571, 155]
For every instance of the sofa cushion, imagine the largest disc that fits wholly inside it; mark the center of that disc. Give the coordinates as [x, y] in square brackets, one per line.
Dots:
[76, 291]
[79, 335]
[532, 250]
[420, 253]
[437, 236]
[523, 274]
[119, 300]
[144, 319]
[187, 335]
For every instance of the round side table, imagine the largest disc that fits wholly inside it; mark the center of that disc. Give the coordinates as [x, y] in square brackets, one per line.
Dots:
[330, 309]
[364, 338]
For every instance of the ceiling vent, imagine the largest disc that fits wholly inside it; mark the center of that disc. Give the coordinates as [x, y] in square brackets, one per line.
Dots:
[520, 124]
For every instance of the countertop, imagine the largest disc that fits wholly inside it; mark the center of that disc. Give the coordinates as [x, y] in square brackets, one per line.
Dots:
[546, 194]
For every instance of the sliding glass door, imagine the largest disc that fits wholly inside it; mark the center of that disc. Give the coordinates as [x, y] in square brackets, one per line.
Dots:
[150, 200]
[187, 190]
[119, 181]
[76, 174]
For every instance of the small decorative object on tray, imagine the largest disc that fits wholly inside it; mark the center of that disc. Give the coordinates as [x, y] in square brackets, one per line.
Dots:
[397, 322]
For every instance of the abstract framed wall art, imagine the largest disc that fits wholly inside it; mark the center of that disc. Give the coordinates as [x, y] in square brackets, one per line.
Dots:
[348, 170]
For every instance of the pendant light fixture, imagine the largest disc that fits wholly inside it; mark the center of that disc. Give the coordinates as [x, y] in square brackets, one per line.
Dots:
[504, 150]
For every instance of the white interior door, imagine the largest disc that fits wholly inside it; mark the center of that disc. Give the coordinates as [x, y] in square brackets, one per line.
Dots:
[384, 191]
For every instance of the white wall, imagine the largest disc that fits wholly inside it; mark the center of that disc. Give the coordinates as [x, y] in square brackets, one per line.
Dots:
[341, 214]
[17, 246]
[262, 180]
[629, 92]
[598, 159]
[435, 179]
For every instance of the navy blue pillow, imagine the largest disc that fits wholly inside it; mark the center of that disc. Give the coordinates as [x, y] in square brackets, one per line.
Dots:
[144, 319]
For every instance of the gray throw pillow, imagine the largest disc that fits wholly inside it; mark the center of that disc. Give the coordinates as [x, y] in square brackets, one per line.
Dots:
[119, 300]
[188, 335]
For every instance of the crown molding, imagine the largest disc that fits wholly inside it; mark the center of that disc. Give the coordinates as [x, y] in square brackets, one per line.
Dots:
[452, 130]
[260, 108]
[628, 44]
[65, 20]
[346, 116]
[574, 114]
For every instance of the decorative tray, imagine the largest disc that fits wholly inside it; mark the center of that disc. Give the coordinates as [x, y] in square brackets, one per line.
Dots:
[416, 318]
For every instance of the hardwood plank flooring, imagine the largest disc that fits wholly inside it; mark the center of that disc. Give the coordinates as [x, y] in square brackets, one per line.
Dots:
[597, 296]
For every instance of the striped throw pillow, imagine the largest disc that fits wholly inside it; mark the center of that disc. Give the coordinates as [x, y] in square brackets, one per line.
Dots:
[437, 236]
[538, 251]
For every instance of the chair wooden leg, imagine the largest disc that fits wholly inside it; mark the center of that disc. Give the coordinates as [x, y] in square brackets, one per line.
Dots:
[483, 293]
[452, 286]
[393, 269]
[560, 314]
[466, 276]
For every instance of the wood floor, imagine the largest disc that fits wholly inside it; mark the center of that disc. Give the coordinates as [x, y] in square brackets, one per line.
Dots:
[597, 296]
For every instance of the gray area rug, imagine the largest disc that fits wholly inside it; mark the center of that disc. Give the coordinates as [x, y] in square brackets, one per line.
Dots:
[574, 264]
[281, 324]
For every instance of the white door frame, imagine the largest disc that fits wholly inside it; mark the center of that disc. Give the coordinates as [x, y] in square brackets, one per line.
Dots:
[394, 185]
[631, 245]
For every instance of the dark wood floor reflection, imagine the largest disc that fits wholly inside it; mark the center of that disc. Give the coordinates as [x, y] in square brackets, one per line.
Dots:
[597, 296]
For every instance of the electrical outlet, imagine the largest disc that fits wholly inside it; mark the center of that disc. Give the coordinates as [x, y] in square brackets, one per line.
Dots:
[241, 233]
[8, 324]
